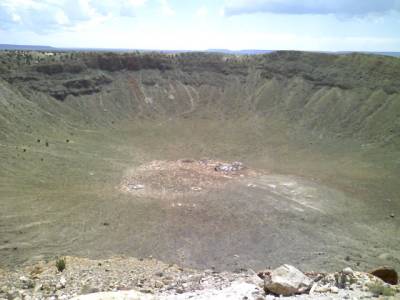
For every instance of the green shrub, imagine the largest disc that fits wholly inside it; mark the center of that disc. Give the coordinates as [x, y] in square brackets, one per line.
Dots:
[61, 264]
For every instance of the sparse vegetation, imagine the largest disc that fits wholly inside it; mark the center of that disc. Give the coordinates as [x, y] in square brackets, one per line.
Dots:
[61, 264]
[379, 289]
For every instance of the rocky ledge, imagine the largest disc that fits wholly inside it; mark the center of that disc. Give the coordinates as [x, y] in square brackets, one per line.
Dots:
[149, 279]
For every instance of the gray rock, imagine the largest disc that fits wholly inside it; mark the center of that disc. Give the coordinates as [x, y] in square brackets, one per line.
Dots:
[135, 187]
[128, 295]
[387, 274]
[226, 168]
[385, 256]
[87, 289]
[287, 280]
[63, 282]
[195, 278]
[334, 290]
[254, 279]
[347, 271]
[37, 287]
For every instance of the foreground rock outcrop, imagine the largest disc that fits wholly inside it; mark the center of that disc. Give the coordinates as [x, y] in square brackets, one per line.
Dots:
[149, 279]
[387, 274]
[287, 280]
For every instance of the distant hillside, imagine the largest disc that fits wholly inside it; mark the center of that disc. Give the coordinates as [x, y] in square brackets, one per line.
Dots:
[223, 51]
[259, 52]
[240, 52]
[396, 54]
[26, 47]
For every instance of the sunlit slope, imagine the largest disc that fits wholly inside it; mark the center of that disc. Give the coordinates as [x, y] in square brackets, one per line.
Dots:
[354, 96]
[48, 103]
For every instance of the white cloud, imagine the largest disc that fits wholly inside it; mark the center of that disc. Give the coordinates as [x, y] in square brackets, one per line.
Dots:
[202, 11]
[61, 18]
[44, 16]
[15, 18]
[166, 9]
[306, 42]
[338, 7]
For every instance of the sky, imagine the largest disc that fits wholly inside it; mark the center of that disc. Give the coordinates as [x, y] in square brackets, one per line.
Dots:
[314, 25]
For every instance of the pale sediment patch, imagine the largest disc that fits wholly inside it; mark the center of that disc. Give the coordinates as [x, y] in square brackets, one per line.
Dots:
[303, 194]
[182, 177]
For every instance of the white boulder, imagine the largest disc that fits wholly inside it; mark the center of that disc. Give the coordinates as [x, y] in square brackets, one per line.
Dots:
[287, 280]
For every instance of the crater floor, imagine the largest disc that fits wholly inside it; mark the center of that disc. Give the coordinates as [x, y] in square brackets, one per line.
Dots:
[273, 211]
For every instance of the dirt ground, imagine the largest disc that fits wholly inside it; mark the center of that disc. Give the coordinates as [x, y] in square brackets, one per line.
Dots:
[307, 205]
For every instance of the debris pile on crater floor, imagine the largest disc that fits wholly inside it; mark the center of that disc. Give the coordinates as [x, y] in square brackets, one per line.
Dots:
[229, 168]
[169, 178]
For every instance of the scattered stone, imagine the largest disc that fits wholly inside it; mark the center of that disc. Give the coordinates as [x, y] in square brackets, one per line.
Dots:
[63, 282]
[26, 283]
[88, 289]
[23, 279]
[167, 280]
[322, 289]
[158, 284]
[129, 295]
[38, 287]
[158, 281]
[36, 271]
[287, 280]
[347, 271]
[334, 289]
[227, 168]
[196, 189]
[173, 179]
[187, 161]
[257, 281]
[386, 256]
[387, 274]
[136, 187]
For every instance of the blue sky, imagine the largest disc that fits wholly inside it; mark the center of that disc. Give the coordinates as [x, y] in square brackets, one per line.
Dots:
[328, 25]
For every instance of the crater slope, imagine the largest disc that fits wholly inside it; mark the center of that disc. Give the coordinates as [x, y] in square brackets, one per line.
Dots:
[321, 130]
